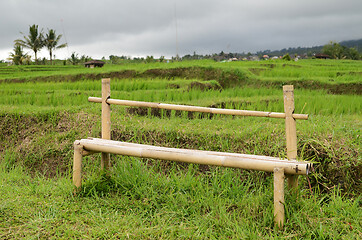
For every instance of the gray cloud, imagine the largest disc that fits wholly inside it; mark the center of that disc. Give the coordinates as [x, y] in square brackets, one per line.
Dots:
[145, 27]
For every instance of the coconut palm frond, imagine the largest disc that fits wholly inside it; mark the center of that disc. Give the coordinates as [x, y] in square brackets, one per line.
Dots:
[18, 57]
[34, 40]
[51, 42]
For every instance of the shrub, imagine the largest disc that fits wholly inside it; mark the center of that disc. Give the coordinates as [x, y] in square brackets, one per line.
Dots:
[287, 57]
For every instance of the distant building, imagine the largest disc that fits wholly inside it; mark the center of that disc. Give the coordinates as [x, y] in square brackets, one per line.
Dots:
[94, 63]
[322, 56]
[253, 58]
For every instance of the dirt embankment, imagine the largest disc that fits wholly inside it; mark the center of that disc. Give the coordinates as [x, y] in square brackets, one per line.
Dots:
[44, 144]
[341, 88]
[226, 79]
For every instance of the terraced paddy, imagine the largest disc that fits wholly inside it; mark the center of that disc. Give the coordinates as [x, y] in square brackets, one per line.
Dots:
[43, 109]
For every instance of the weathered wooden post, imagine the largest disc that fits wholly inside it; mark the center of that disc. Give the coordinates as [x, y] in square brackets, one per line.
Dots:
[290, 131]
[77, 165]
[279, 197]
[106, 120]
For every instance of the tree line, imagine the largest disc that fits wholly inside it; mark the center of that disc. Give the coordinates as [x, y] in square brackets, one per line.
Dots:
[35, 40]
[337, 51]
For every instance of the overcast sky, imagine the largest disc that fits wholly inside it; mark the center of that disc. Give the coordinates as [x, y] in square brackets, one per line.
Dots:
[165, 27]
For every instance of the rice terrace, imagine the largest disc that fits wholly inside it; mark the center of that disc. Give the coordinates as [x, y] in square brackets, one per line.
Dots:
[44, 109]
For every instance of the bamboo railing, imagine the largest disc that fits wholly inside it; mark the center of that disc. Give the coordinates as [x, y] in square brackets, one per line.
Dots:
[289, 168]
[197, 109]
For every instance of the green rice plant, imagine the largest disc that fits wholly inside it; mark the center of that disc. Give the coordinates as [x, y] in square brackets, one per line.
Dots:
[74, 95]
[144, 198]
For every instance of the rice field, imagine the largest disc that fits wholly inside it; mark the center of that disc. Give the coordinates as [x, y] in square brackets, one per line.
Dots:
[25, 96]
[41, 116]
[324, 71]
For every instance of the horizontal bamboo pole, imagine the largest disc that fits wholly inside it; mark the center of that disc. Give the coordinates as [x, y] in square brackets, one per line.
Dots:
[197, 109]
[250, 156]
[252, 162]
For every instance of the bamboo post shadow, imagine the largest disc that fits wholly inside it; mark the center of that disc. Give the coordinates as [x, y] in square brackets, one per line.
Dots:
[106, 120]
[290, 131]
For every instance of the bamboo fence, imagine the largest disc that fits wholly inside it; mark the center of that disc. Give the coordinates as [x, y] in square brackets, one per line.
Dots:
[282, 168]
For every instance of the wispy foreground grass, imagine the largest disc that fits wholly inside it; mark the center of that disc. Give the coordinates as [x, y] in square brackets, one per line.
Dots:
[138, 202]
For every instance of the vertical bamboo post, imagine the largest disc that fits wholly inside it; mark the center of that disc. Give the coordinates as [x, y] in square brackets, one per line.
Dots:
[279, 197]
[106, 120]
[77, 165]
[290, 131]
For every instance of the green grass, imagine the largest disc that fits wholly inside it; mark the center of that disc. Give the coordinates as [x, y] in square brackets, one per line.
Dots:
[141, 203]
[40, 119]
[73, 95]
[324, 71]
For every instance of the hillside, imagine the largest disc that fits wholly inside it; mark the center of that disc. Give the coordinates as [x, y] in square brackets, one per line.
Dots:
[311, 50]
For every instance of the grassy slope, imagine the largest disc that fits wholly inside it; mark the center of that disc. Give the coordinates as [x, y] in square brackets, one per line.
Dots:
[147, 199]
[330, 71]
[147, 204]
[333, 76]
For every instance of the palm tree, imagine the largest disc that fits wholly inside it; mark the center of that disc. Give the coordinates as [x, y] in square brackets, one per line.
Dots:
[18, 56]
[51, 42]
[33, 41]
[74, 58]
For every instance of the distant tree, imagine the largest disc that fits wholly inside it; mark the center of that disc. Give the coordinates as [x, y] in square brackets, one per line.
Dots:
[113, 59]
[353, 54]
[333, 49]
[85, 58]
[117, 59]
[162, 58]
[187, 57]
[51, 42]
[149, 59]
[310, 54]
[74, 60]
[33, 41]
[337, 51]
[287, 57]
[18, 57]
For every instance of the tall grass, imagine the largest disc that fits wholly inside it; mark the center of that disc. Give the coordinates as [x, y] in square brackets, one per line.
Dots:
[143, 199]
[75, 94]
[140, 203]
[326, 71]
